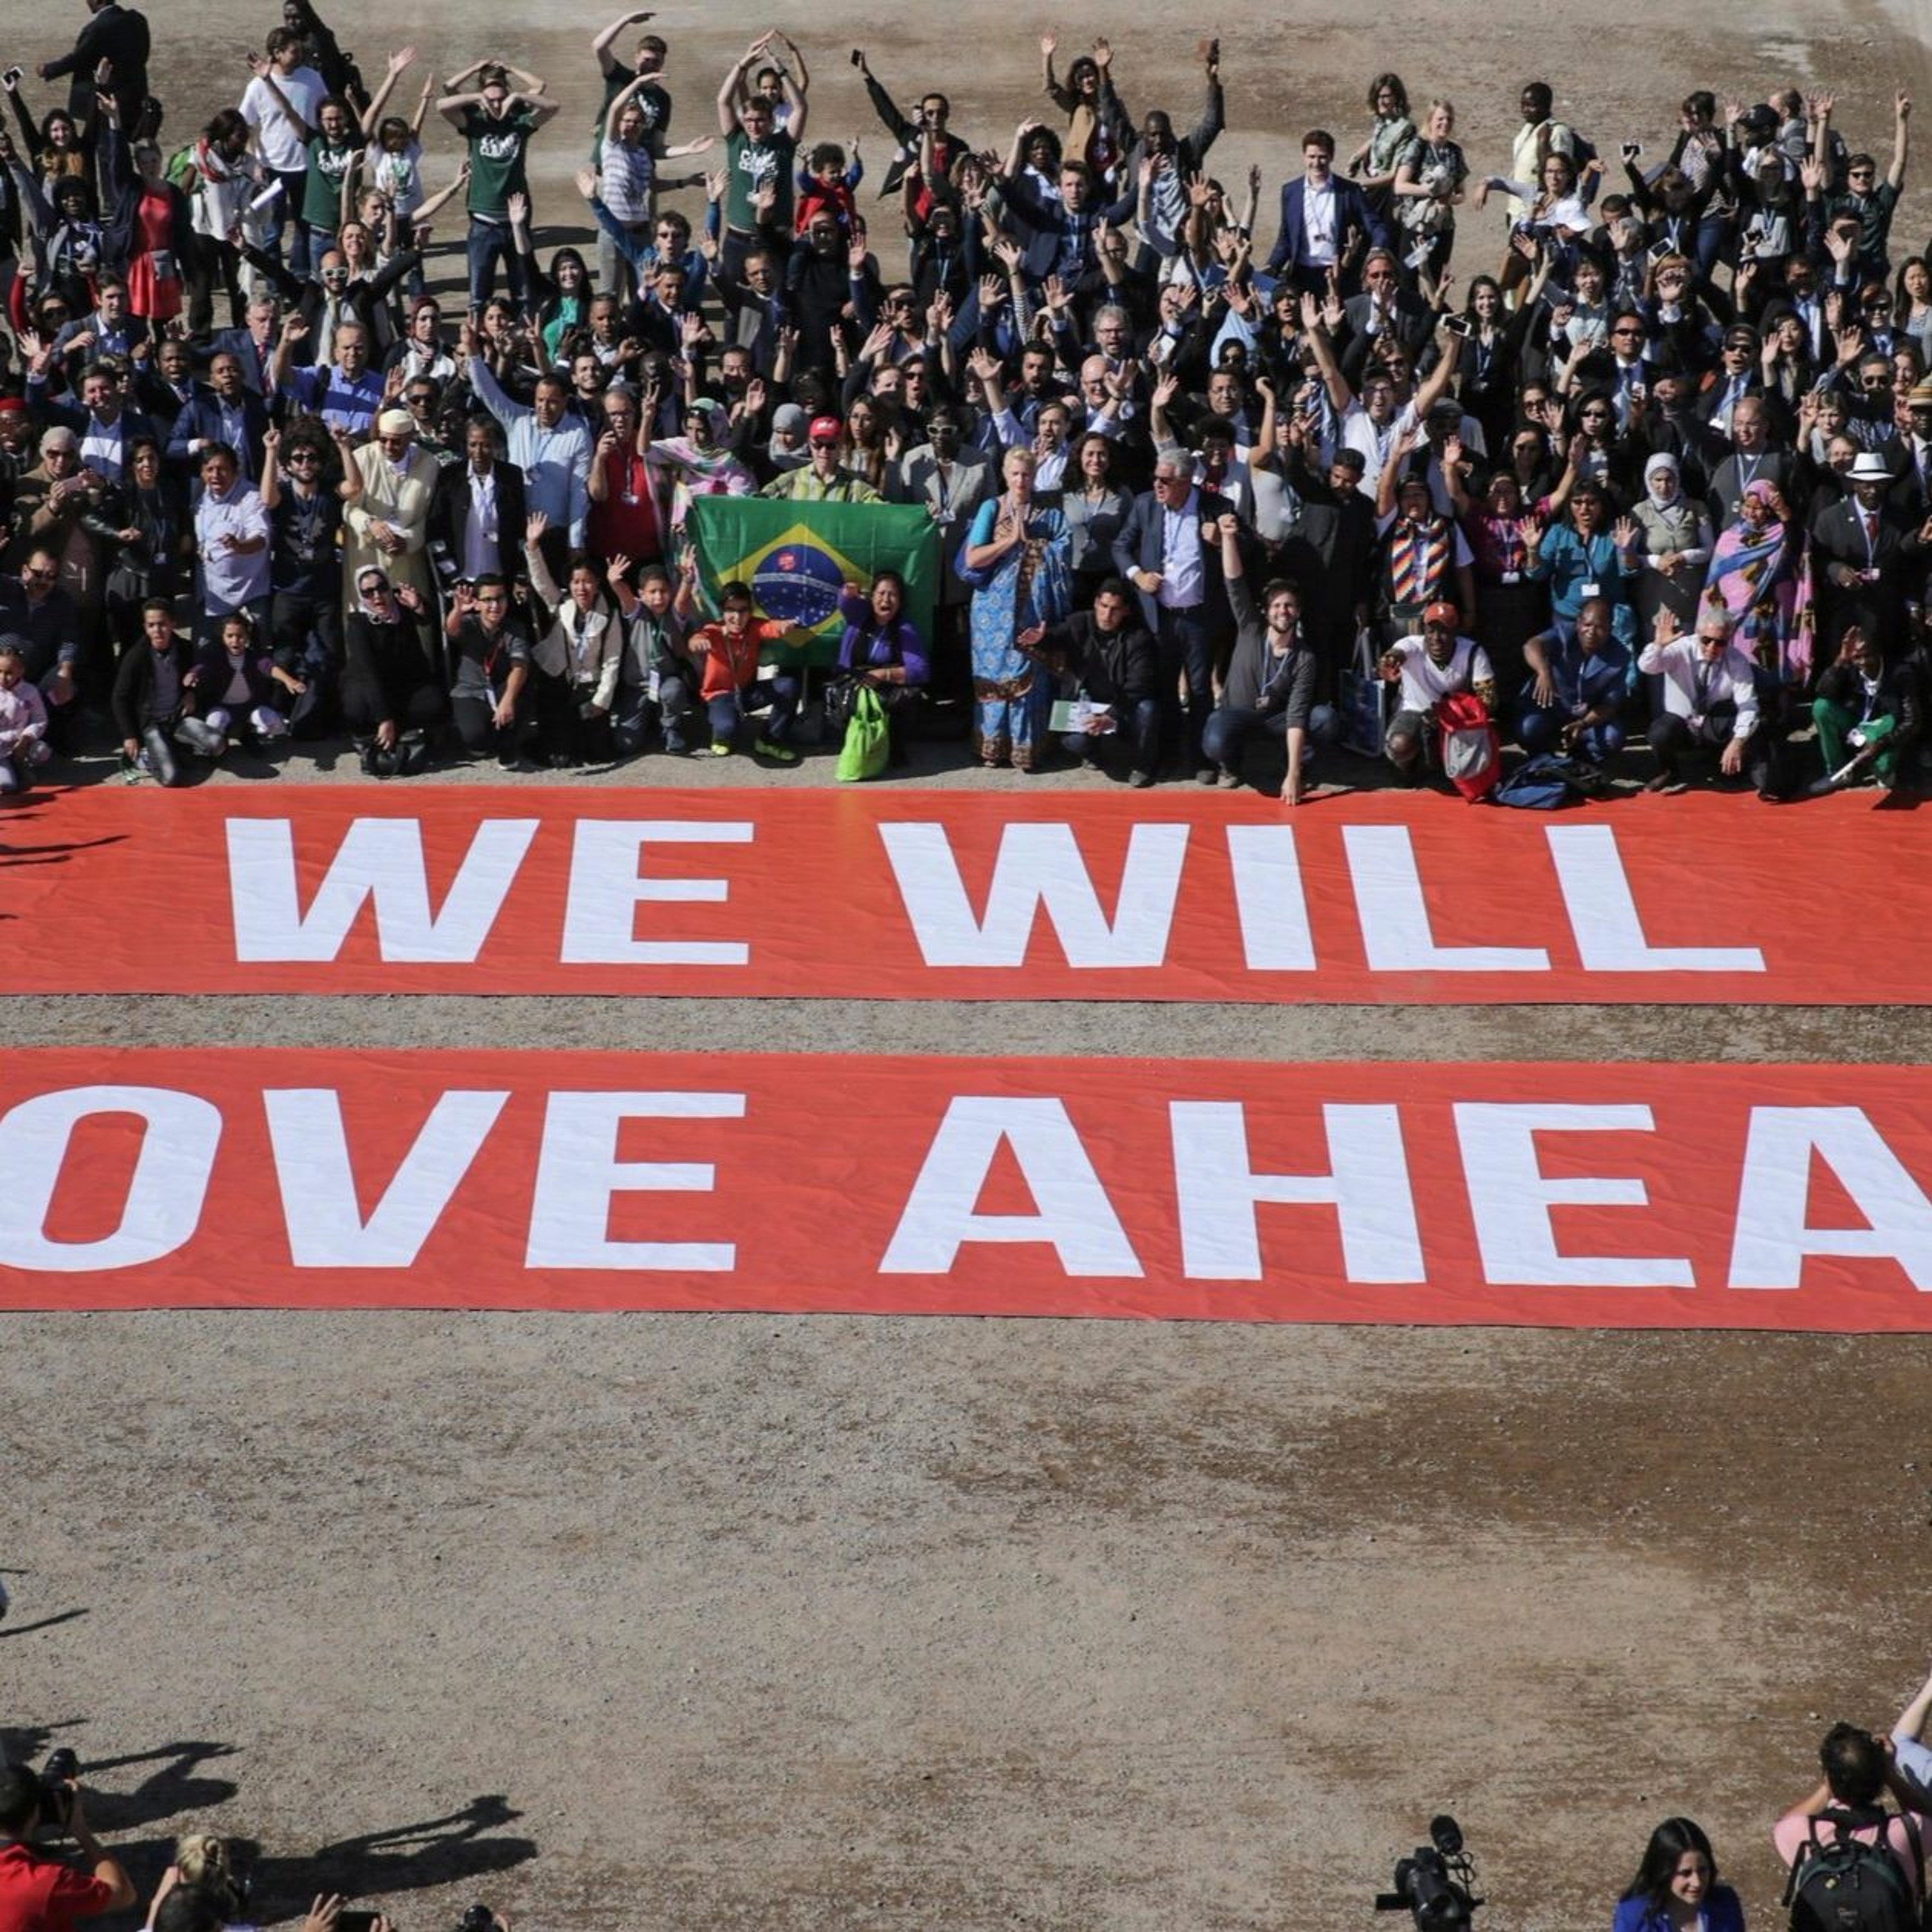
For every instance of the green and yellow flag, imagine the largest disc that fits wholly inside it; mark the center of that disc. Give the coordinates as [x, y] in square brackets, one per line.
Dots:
[796, 556]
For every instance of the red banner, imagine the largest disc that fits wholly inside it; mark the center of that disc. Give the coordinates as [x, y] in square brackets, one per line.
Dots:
[1562, 1195]
[882, 894]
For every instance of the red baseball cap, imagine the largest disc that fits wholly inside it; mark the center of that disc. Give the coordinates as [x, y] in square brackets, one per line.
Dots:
[825, 429]
[1442, 613]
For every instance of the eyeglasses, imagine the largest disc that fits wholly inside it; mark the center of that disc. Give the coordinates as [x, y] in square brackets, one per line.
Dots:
[1626, 331]
[376, 587]
[825, 442]
[40, 576]
[303, 456]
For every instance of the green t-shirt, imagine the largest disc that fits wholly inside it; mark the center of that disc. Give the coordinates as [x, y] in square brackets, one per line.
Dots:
[496, 152]
[321, 186]
[748, 165]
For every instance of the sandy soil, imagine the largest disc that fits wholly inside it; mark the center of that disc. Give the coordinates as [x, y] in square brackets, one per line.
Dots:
[704, 1622]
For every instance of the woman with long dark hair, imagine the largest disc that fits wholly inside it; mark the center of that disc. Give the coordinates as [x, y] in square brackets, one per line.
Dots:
[1676, 1888]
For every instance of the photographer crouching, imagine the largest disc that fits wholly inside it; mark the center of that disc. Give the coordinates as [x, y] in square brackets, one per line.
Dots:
[39, 1893]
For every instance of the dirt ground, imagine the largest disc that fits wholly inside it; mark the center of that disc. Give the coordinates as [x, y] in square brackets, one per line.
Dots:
[719, 1622]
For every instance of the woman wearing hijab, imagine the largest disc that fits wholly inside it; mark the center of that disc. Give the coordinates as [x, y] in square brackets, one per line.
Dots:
[393, 699]
[1753, 575]
[1676, 547]
[699, 462]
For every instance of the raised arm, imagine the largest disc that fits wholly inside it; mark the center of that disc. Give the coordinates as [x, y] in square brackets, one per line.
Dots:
[1437, 386]
[1901, 139]
[601, 46]
[1340, 396]
[373, 114]
[259, 66]
[727, 92]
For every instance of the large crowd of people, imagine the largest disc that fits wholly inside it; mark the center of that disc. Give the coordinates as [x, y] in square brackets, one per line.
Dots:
[1626, 460]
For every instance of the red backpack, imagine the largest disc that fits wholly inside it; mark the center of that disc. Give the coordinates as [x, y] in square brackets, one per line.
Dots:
[1470, 746]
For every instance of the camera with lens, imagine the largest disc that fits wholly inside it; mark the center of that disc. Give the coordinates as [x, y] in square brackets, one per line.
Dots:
[478, 1919]
[57, 1776]
[1435, 1885]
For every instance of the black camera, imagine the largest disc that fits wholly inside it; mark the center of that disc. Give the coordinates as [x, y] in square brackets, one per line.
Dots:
[1435, 1885]
[478, 1919]
[57, 1776]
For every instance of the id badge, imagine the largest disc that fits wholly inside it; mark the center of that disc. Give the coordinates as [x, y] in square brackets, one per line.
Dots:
[1512, 577]
[1589, 590]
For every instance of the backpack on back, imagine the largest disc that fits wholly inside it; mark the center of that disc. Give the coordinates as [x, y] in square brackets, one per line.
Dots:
[1847, 1884]
[1472, 749]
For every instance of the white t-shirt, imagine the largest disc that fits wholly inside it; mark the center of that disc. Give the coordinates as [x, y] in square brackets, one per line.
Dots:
[281, 141]
[1425, 683]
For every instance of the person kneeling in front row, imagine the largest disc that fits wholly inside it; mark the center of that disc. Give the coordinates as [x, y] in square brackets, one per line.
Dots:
[1710, 704]
[1579, 674]
[1271, 679]
[150, 700]
[393, 701]
[730, 651]
[1109, 656]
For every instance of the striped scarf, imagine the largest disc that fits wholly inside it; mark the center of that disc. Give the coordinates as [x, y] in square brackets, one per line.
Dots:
[1418, 558]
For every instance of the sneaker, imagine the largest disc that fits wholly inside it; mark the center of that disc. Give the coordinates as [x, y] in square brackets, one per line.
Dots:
[779, 755]
[675, 748]
[720, 748]
[1207, 774]
[1231, 779]
[1140, 781]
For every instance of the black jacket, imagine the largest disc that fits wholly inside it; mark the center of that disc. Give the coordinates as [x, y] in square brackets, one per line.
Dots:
[1117, 667]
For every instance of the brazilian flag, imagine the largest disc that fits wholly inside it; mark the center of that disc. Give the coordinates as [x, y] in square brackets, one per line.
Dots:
[796, 556]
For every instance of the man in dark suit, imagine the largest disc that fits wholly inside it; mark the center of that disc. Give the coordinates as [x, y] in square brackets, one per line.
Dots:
[479, 510]
[1058, 237]
[226, 412]
[254, 346]
[1324, 220]
[1169, 550]
[1864, 556]
[119, 36]
[1384, 311]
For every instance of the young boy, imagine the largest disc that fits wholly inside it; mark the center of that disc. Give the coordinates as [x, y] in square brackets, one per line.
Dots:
[728, 651]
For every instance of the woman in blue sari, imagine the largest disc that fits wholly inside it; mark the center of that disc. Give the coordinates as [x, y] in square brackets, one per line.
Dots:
[1016, 559]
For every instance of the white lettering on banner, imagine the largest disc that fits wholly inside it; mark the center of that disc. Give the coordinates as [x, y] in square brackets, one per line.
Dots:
[313, 1170]
[1368, 1186]
[382, 857]
[1603, 915]
[1075, 1215]
[1268, 899]
[1038, 865]
[1773, 1234]
[1510, 1198]
[578, 1172]
[179, 1134]
[599, 919]
[1396, 933]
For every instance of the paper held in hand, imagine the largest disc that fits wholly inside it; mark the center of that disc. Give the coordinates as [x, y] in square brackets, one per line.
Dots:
[1081, 714]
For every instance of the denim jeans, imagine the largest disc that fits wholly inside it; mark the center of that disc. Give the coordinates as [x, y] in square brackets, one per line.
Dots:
[1229, 731]
[780, 693]
[488, 242]
[1137, 733]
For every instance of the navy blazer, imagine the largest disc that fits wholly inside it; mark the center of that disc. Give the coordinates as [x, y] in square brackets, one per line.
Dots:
[201, 421]
[1353, 216]
[1138, 548]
